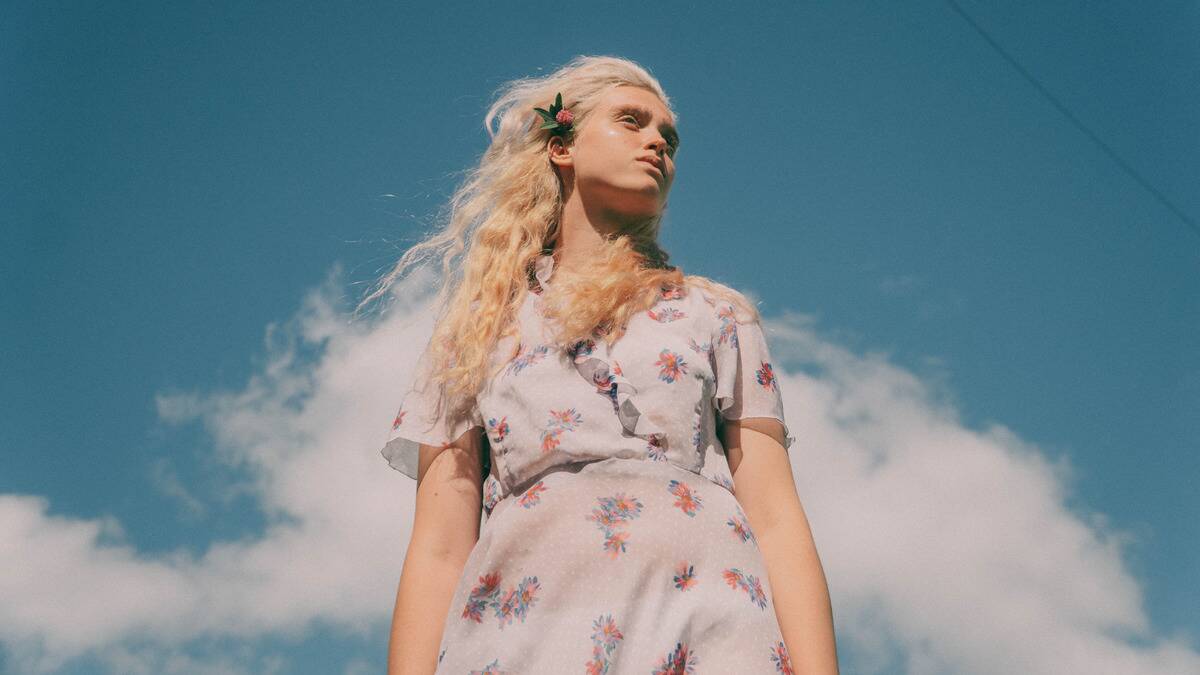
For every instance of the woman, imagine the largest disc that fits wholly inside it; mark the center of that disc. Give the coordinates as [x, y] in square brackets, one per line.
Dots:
[616, 425]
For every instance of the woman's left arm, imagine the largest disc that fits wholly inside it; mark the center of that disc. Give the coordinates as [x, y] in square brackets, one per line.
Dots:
[765, 489]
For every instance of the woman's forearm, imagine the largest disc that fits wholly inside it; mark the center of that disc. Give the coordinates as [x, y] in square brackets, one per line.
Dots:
[801, 596]
[427, 585]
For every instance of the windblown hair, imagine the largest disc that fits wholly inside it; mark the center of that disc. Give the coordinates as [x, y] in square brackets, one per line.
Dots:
[506, 213]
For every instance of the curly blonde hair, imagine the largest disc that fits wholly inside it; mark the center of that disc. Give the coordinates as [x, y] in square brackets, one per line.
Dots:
[506, 213]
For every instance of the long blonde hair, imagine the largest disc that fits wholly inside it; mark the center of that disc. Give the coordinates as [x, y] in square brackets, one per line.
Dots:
[506, 213]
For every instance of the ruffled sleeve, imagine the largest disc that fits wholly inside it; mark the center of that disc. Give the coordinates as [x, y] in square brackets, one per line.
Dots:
[746, 382]
[423, 419]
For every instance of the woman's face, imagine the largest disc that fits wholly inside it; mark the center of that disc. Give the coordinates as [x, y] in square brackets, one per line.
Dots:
[623, 157]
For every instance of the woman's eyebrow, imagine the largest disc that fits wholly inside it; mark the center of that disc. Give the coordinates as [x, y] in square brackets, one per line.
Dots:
[644, 112]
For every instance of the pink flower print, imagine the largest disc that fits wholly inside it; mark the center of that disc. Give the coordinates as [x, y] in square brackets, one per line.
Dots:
[605, 637]
[614, 542]
[566, 420]
[492, 668]
[671, 366]
[681, 661]
[517, 601]
[532, 496]
[741, 527]
[671, 293]
[700, 348]
[781, 659]
[655, 448]
[399, 418]
[498, 430]
[685, 576]
[616, 368]
[560, 421]
[628, 507]
[666, 315]
[748, 583]
[728, 331]
[491, 493]
[527, 358]
[612, 514]
[686, 499]
[766, 377]
[483, 594]
[550, 439]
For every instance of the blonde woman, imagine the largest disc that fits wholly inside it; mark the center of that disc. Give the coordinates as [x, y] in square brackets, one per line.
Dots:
[598, 440]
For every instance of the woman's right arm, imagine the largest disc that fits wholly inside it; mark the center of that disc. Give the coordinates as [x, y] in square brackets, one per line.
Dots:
[445, 529]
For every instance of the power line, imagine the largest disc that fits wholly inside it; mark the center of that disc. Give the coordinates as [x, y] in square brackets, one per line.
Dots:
[1112, 154]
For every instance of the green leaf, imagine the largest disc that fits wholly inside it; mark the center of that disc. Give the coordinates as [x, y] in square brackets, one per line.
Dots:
[558, 101]
[549, 125]
[546, 115]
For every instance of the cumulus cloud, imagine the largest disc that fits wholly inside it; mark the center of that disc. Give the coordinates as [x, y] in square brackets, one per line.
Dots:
[947, 549]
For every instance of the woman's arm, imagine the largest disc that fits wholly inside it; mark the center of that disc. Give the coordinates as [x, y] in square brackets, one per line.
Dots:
[767, 493]
[445, 529]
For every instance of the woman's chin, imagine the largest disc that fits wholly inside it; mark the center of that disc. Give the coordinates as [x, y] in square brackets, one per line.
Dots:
[641, 204]
[630, 203]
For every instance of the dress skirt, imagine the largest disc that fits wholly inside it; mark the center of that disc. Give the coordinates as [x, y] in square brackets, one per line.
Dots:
[615, 566]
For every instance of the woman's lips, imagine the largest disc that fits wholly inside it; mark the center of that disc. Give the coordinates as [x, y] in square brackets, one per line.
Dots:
[651, 164]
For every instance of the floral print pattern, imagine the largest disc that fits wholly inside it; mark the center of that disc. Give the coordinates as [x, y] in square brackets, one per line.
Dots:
[679, 661]
[766, 377]
[612, 514]
[686, 498]
[781, 659]
[749, 583]
[533, 496]
[666, 315]
[623, 438]
[561, 421]
[497, 429]
[671, 366]
[605, 637]
[728, 331]
[527, 358]
[685, 576]
[492, 668]
[513, 604]
[741, 527]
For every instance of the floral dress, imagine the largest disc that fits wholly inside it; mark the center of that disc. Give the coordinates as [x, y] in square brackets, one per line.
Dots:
[612, 540]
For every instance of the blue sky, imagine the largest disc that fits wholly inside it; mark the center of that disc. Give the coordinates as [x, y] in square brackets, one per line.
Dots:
[193, 197]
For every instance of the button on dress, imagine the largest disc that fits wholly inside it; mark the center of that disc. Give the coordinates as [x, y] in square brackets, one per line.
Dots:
[612, 540]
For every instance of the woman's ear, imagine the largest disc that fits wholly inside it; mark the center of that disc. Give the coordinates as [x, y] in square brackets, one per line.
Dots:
[560, 154]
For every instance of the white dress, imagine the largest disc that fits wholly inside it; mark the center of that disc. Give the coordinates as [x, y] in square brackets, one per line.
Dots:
[612, 539]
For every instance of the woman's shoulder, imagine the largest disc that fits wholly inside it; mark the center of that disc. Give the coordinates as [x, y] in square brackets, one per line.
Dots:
[711, 291]
[721, 299]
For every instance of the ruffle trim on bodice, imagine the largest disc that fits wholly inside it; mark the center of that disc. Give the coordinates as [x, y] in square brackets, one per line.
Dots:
[594, 365]
[591, 361]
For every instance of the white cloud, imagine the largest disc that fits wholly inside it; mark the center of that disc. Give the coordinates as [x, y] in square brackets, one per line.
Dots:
[947, 549]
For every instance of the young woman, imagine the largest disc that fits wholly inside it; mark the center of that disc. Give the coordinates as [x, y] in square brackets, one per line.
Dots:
[616, 425]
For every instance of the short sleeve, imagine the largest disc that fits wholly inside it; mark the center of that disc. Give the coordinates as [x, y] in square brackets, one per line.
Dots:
[421, 418]
[746, 382]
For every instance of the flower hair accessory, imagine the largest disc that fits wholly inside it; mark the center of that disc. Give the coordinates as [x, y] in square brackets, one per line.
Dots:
[557, 119]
